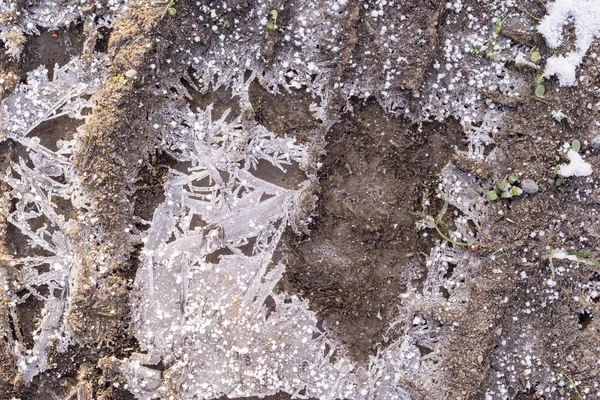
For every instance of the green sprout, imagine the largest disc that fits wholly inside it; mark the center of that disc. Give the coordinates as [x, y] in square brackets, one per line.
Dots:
[506, 187]
[272, 24]
[502, 185]
[535, 56]
[573, 385]
[494, 41]
[473, 49]
[429, 221]
[540, 89]
[576, 145]
[170, 9]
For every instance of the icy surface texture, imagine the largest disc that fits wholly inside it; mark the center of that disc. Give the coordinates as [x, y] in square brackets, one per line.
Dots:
[205, 303]
[314, 47]
[585, 16]
[43, 188]
[18, 19]
[474, 70]
[42, 99]
[48, 14]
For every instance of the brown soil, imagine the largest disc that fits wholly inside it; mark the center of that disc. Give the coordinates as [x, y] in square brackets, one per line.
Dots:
[362, 250]
[363, 247]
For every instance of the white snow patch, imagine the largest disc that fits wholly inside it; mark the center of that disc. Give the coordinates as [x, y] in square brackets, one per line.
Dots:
[585, 15]
[576, 167]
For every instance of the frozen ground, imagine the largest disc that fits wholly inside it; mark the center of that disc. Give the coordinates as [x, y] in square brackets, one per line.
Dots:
[319, 200]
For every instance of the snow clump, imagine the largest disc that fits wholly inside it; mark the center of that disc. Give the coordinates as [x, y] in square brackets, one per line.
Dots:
[585, 15]
[576, 167]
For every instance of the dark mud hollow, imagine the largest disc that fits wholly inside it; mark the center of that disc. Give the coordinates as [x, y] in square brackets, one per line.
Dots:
[363, 252]
[52, 47]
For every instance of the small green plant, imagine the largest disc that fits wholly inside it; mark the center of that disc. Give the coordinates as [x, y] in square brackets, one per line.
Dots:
[272, 24]
[587, 261]
[505, 188]
[490, 48]
[473, 49]
[540, 89]
[492, 195]
[170, 9]
[535, 56]
[575, 145]
[116, 78]
[428, 221]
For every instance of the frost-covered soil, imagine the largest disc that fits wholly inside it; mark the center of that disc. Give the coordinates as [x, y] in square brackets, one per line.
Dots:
[242, 199]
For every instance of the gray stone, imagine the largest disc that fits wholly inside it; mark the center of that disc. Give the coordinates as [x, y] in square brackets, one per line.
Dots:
[529, 186]
[596, 142]
[132, 73]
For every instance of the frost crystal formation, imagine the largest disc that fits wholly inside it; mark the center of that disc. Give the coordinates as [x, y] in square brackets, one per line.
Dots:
[44, 190]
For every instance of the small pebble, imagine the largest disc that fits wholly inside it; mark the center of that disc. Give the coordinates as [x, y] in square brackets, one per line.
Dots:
[529, 186]
[596, 142]
[130, 74]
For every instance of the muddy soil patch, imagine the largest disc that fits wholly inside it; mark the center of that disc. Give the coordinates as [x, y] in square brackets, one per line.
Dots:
[363, 250]
[291, 117]
[516, 301]
[52, 47]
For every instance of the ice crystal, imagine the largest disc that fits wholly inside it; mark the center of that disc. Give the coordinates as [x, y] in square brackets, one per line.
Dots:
[43, 186]
[206, 303]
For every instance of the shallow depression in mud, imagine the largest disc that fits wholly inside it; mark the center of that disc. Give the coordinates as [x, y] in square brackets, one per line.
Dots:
[363, 252]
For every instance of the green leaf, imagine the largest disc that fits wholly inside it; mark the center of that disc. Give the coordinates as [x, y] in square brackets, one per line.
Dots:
[172, 11]
[274, 15]
[226, 24]
[506, 195]
[535, 56]
[270, 26]
[502, 185]
[538, 80]
[540, 90]
[514, 191]
[558, 181]
[512, 178]
[492, 195]
[576, 145]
